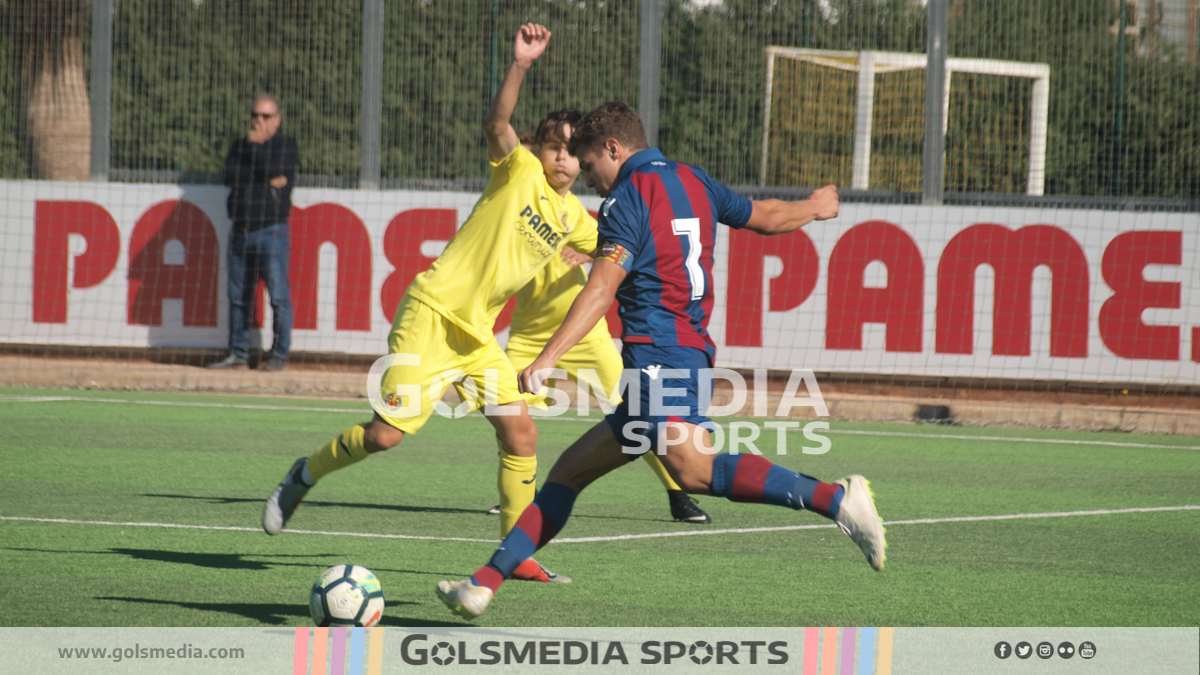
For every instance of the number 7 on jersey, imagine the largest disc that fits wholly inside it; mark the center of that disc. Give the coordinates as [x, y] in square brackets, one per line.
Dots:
[690, 228]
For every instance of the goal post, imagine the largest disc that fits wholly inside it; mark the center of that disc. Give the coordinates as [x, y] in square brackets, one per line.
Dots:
[867, 66]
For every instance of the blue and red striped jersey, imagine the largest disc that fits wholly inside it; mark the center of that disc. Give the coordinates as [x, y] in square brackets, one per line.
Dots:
[657, 224]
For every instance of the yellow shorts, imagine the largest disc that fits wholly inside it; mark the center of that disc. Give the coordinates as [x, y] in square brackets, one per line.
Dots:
[599, 355]
[447, 355]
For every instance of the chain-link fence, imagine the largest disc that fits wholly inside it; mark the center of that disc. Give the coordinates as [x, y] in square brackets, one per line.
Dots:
[116, 118]
[1122, 111]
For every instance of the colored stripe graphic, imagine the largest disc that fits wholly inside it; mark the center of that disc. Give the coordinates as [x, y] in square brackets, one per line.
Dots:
[320, 653]
[885, 651]
[848, 635]
[375, 658]
[339, 652]
[812, 645]
[828, 651]
[357, 635]
[866, 651]
[300, 662]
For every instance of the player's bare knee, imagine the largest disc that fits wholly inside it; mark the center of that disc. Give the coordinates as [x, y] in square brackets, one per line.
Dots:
[523, 446]
[693, 482]
[520, 438]
[380, 436]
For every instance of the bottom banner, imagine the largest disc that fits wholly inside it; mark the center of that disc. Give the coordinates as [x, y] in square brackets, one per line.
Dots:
[804, 651]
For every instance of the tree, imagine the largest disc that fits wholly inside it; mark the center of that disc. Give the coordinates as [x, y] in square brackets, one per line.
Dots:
[48, 59]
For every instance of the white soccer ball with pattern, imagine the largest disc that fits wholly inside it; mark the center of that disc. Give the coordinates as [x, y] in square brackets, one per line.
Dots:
[346, 595]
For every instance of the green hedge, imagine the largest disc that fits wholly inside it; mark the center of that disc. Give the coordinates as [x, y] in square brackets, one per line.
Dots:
[185, 72]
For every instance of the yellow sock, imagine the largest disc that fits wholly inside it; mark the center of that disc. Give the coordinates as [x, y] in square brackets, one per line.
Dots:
[517, 480]
[339, 453]
[656, 464]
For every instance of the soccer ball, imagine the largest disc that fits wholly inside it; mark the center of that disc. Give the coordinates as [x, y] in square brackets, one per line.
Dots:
[346, 595]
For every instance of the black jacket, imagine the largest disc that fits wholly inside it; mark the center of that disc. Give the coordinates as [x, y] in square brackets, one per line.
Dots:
[253, 204]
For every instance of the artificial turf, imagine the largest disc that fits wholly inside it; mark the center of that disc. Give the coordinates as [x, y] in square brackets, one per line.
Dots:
[177, 459]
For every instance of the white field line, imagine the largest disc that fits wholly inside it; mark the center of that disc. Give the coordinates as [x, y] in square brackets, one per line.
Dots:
[592, 420]
[232, 528]
[618, 537]
[366, 410]
[918, 521]
[1054, 441]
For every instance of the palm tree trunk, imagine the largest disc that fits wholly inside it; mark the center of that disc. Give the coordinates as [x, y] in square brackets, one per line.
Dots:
[60, 115]
[57, 106]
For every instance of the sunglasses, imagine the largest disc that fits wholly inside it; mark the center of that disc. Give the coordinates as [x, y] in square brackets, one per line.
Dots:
[265, 116]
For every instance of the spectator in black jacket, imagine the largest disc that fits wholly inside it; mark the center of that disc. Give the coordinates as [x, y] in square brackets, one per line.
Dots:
[260, 172]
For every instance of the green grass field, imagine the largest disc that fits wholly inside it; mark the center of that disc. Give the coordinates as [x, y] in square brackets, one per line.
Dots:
[198, 460]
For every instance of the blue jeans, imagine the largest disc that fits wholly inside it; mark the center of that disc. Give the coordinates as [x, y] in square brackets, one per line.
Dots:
[262, 253]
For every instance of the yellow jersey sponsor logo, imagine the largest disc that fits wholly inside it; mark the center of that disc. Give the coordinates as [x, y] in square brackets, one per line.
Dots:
[541, 228]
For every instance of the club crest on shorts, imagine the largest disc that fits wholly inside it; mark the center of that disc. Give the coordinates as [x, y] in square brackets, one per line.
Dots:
[393, 401]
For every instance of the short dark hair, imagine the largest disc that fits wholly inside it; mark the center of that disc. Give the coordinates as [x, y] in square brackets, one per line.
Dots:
[267, 97]
[611, 120]
[550, 128]
[525, 137]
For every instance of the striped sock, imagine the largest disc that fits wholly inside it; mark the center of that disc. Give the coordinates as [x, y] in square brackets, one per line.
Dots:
[535, 528]
[750, 478]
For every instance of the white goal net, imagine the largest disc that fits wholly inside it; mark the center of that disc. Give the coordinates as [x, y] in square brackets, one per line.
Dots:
[857, 119]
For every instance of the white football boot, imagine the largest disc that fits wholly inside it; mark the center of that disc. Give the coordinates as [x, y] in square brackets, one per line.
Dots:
[860, 521]
[464, 598]
[283, 501]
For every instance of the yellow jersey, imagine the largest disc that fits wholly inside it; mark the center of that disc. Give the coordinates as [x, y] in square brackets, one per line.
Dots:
[543, 303]
[518, 226]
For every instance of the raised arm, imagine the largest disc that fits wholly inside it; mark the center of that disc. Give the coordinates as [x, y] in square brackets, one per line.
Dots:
[775, 216]
[590, 305]
[502, 138]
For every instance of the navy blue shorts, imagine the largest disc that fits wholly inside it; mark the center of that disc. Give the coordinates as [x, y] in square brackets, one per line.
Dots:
[668, 391]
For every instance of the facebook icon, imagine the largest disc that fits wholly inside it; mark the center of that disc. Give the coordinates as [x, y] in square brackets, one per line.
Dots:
[1003, 650]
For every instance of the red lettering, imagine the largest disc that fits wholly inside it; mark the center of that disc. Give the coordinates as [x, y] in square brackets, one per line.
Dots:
[613, 317]
[801, 268]
[260, 301]
[402, 246]
[504, 320]
[1121, 325]
[900, 305]
[1013, 255]
[338, 225]
[53, 223]
[151, 279]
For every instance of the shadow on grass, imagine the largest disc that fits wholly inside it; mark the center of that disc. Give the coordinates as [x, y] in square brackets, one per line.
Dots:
[584, 516]
[398, 507]
[309, 503]
[219, 561]
[235, 561]
[276, 614]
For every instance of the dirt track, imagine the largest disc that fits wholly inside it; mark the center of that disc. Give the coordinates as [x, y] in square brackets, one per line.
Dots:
[1111, 410]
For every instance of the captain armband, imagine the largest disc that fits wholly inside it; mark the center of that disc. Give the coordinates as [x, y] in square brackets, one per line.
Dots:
[614, 252]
